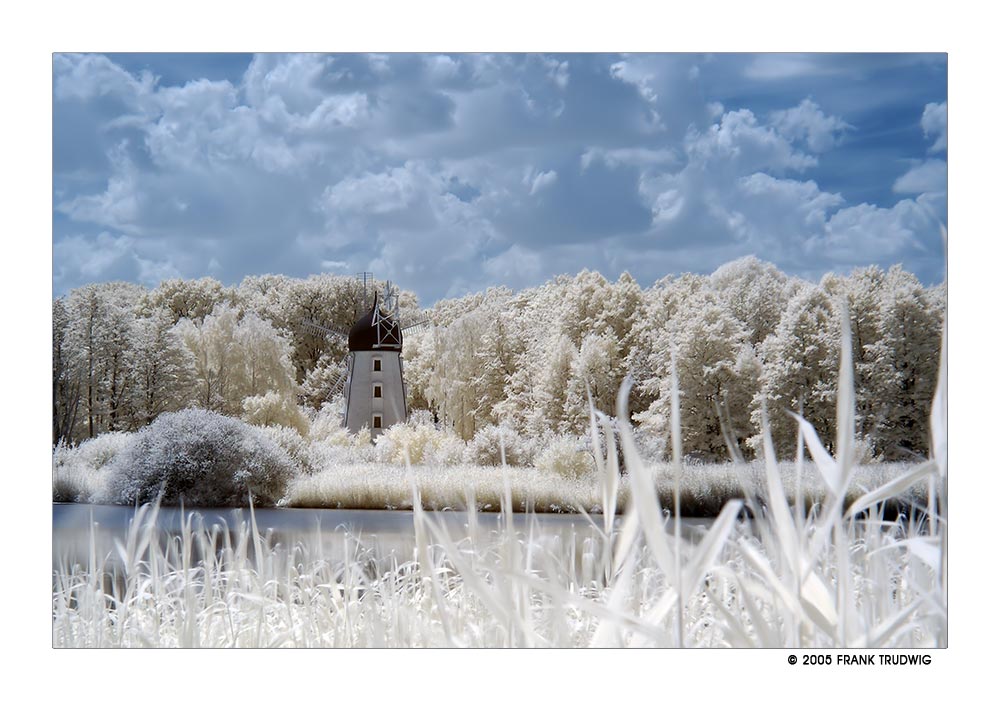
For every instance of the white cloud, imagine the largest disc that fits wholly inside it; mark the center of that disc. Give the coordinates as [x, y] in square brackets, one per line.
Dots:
[406, 224]
[928, 176]
[877, 234]
[558, 71]
[628, 73]
[376, 193]
[77, 260]
[740, 141]
[119, 206]
[636, 156]
[538, 181]
[441, 68]
[428, 168]
[935, 124]
[806, 122]
[86, 76]
[783, 66]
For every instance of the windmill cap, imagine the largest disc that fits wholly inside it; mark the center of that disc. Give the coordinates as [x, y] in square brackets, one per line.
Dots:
[375, 331]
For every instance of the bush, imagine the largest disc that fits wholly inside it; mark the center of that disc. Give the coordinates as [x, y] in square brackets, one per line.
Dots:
[448, 449]
[202, 458]
[273, 409]
[292, 442]
[422, 443]
[79, 473]
[484, 448]
[327, 426]
[566, 457]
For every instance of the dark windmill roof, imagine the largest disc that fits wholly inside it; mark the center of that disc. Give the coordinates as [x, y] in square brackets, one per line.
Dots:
[374, 330]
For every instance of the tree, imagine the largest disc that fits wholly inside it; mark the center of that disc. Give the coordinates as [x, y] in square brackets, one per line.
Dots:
[801, 363]
[236, 358]
[910, 330]
[754, 292]
[162, 368]
[66, 378]
[597, 368]
[703, 341]
[95, 334]
[451, 387]
[555, 369]
[331, 301]
[188, 299]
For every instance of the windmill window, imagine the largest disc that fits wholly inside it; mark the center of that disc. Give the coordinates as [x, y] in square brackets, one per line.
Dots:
[377, 365]
[376, 390]
[376, 421]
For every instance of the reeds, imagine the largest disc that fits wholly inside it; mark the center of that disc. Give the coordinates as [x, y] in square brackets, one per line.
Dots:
[832, 573]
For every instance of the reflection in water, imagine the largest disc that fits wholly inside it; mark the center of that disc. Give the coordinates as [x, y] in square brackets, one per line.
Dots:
[386, 532]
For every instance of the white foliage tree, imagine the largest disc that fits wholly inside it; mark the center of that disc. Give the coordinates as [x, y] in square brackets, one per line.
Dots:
[596, 367]
[801, 361]
[236, 358]
[910, 325]
[704, 342]
[95, 338]
[162, 368]
[754, 292]
[188, 299]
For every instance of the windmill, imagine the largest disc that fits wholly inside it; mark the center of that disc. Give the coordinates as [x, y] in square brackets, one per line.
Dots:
[371, 378]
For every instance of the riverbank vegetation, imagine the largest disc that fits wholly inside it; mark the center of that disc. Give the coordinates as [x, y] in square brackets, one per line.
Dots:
[201, 458]
[822, 577]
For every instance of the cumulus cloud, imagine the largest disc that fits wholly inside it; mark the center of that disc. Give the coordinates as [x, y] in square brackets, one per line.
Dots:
[628, 72]
[935, 125]
[89, 76]
[540, 181]
[879, 234]
[78, 260]
[928, 176]
[806, 122]
[452, 172]
[738, 140]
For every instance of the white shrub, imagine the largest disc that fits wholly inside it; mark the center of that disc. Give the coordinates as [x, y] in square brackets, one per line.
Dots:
[404, 441]
[292, 442]
[566, 457]
[80, 472]
[330, 443]
[447, 449]
[202, 458]
[328, 426]
[484, 448]
[274, 409]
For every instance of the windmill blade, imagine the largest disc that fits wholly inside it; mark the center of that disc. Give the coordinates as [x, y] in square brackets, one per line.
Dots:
[416, 328]
[338, 385]
[318, 330]
[414, 321]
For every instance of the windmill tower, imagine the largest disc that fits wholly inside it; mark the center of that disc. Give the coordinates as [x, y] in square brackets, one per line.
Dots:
[372, 377]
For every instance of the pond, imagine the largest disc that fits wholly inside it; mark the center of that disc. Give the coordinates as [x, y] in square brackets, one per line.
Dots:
[387, 531]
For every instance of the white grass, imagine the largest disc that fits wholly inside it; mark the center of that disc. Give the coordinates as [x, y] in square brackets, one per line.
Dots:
[704, 488]
[825, 578]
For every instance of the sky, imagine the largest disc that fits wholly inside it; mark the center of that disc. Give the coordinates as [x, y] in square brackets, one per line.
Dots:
[452, 173]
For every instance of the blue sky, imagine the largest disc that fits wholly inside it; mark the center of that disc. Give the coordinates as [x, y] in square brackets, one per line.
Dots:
[451, 173]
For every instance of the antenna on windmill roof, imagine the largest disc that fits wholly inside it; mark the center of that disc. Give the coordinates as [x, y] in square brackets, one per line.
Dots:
[365, 279]
[391, 298]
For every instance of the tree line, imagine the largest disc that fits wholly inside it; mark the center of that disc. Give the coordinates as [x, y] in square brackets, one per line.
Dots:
[531, 361]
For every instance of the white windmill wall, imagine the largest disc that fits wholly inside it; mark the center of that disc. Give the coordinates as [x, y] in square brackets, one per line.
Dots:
[362, 404]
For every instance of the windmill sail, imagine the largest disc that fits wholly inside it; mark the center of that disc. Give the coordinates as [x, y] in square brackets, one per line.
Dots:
[322, 331]
[337, 387]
